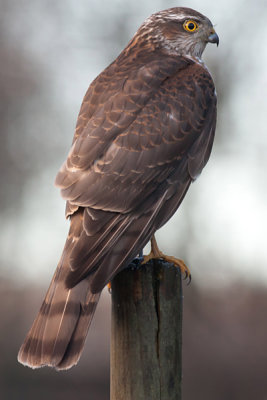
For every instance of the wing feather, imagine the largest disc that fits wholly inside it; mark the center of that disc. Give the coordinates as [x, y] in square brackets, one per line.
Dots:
[142, 155]
[145, 165]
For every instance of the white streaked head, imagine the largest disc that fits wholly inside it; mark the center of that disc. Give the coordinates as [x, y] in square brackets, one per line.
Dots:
[179, 30]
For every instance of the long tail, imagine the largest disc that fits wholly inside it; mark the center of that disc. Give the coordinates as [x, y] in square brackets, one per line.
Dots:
[97, 247]
[57, 336]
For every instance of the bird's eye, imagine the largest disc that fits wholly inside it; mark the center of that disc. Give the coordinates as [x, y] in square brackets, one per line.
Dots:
[190, 25]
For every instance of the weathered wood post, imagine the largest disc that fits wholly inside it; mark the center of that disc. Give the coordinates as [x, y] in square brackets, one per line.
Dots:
[146, 333]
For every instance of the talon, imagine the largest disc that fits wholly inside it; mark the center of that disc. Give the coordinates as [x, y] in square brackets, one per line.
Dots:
[187, 276]
[156, 253]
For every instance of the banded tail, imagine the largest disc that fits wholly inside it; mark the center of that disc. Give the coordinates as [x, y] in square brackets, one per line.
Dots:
[58, 334]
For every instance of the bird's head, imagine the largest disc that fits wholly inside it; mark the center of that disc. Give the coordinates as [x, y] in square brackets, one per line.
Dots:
[180, 31]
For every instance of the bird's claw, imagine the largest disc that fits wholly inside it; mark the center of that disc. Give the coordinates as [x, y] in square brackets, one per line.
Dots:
[157, 254]
[187, 276]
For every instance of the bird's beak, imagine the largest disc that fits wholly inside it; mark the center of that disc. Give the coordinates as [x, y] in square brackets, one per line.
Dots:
[213, 37]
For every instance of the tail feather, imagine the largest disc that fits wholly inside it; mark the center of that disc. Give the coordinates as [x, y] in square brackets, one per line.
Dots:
[57, 336]
[58, 333]
[76, 344]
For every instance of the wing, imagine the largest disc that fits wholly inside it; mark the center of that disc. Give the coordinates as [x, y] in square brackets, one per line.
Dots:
[146, 137]
[111, 105]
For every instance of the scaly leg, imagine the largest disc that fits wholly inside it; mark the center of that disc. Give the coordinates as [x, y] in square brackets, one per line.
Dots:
[156, 253]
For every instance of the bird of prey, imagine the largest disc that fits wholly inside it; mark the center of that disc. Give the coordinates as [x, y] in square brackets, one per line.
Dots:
[144, 133]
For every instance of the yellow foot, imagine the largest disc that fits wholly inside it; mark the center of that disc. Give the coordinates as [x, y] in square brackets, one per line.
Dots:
[156, 253]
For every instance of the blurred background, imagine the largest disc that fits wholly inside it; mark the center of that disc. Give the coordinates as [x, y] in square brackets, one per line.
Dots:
[50, 51]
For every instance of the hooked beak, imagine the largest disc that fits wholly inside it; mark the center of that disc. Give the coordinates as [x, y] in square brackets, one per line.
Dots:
[213, 37]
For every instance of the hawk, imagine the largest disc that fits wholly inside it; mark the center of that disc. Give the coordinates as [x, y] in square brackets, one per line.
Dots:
[144, 133]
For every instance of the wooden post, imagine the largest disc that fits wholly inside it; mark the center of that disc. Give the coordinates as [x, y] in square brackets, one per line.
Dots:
[146, 333]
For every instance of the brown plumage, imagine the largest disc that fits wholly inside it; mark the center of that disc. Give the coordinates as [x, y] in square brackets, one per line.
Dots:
[144, 133]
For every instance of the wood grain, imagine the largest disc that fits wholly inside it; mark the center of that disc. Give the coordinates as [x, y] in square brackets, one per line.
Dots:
[146, 338]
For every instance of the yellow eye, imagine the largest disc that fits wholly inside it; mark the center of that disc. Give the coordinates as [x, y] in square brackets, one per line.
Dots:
[190, 26]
